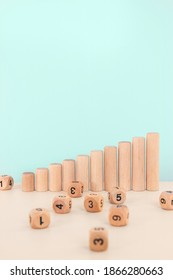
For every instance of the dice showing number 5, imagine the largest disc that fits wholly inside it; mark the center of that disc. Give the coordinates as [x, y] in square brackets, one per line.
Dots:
[117, 196]
[62, 204]
[93, 202]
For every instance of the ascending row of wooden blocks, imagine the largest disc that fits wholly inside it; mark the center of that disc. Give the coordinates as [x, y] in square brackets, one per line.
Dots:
[57, 177]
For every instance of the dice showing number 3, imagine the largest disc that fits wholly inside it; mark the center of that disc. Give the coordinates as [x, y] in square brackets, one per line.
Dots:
[39, 218]
[117, 196]
[75, 189]
[98, 239]
[62, 204]
[93, 202]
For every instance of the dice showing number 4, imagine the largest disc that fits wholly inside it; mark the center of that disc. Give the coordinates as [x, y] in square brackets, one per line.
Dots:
[117, 196]
[6, 182]
[62, 204]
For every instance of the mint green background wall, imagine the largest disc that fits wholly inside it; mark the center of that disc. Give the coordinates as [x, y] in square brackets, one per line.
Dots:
[79, 75]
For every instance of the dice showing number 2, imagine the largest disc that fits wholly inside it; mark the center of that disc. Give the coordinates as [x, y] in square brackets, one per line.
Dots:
[117, 196]
[62, 203]
[93, 202]
[39, 218]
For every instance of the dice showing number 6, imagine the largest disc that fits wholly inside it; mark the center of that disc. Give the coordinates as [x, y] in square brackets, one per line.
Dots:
[117, 196]
[62, 204]
[119, 215]
[93, 202]
[39, 218]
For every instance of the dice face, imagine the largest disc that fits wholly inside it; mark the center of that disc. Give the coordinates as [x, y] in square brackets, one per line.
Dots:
[39, 218]
[98, 239]
[117, 196]
[166, 200]
[62, 204]
[118, 215]
[93, 202]
[75, 189]
[6, 182]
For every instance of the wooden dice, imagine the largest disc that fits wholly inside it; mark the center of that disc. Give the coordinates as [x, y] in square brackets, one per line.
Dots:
[166, 200]
[39, 218]
[117, 196]
[98, 239]
[75, 189]
[6, 182]
[119, 215]
[62, 203]
[93, 202]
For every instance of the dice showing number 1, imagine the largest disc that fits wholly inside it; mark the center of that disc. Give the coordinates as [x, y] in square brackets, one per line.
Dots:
[93, 202]
[39, 218]
[6, 182]
[62, 203]
[117, 196]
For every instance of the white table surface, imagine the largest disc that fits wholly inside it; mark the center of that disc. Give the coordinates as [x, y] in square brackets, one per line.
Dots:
[149, 234]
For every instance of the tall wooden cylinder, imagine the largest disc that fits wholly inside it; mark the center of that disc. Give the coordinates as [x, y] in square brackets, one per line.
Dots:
[55, 177]
[68, 172]
[41, 180]
[124, 165]
[138, 164]
[96, 171]
[110, 168]
[82, 170]
[152, 161]
[28, 182]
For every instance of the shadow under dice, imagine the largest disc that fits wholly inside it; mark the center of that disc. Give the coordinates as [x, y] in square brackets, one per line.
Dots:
[98, 240]
[93, 202]
[166, 200]
[39, 218]
[6, 182]
[62, 204]
[118, 215]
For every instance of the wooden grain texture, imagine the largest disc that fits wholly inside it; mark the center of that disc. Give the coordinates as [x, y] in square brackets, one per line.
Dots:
[28, 182]
[124, 165]
[138, 164]
[96, 171]
[152, 161]
[110, 167]
[55, 177]
[41, 184]
[82, 170]
[68, 173]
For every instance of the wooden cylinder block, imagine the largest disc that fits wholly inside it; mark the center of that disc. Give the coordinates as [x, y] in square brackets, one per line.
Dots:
[124, 165]
[82, 170]
[152, 161]
[28, 182]
[55, 177]
[138, 164]
[110, 168]
[68, 172]
[41, 179]
[96, 171]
